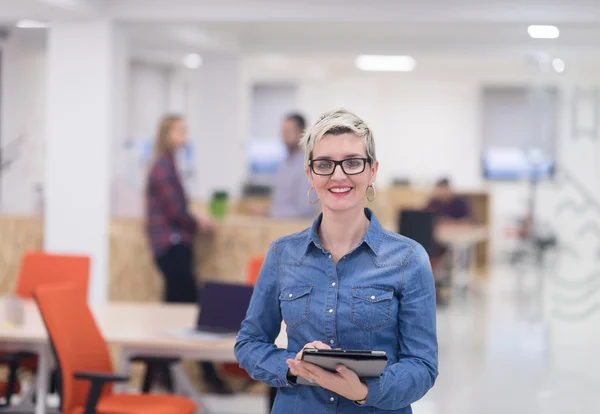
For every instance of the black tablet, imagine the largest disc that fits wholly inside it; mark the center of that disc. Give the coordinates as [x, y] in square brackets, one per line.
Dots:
[366, 364]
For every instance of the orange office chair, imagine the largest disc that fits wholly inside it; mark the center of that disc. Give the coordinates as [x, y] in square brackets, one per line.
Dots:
[39, 268]
[84, 360]
[253, 269]
[252, 272]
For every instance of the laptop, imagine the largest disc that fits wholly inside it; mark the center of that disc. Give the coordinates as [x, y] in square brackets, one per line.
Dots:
[223, 307]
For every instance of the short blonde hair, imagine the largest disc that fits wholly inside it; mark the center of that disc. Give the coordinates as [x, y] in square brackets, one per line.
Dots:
[337, 122]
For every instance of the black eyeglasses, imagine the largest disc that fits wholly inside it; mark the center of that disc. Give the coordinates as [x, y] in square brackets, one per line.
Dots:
[350, 166]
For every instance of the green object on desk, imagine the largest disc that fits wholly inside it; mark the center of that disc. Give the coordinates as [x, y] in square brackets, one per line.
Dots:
[218, 204]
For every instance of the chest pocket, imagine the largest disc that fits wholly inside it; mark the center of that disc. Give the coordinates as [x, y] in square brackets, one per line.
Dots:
[294, 305]
[371, 307]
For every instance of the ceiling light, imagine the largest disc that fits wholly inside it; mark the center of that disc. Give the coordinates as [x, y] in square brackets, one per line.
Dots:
[31, 24]
[558, 65]
[192, 61]
[381, 63]
[543, 32]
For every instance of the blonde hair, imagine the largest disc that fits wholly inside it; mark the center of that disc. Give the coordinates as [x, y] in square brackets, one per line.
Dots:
[162, 141]
[337, 122]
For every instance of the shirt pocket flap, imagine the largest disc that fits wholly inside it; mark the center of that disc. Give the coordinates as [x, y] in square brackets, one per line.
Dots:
[372, 294]
[294, 292]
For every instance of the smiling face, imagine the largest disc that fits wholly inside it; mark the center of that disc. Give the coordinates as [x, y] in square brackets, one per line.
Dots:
[341, 191]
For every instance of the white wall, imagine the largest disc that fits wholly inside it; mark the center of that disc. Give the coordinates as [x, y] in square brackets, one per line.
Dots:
[427, 124]
[211, 99]
[22, 116]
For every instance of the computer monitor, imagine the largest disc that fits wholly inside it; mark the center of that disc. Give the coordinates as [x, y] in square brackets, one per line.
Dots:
[223, 307]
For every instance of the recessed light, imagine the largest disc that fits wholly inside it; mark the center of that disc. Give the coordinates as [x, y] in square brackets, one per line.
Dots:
[558, 65]
[192, 61]
[31, 24]
[543, 32]
[383, 63]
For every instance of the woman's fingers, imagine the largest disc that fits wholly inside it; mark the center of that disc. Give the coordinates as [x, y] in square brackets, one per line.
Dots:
[292, 366]
[313, 344]
[319, 345]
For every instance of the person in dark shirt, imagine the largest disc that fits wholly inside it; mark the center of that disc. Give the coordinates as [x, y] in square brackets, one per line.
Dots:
[447, 206]
[448, 209]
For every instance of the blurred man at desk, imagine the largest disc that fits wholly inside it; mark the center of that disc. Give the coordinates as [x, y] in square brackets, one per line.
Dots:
[447, 207]
[290, 189]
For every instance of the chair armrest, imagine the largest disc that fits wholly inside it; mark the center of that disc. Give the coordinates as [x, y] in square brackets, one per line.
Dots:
[101, 377]
[98, 379]
[156, 360]
[8, 357]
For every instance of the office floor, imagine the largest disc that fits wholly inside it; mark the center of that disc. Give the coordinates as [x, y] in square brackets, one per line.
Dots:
[500, 354]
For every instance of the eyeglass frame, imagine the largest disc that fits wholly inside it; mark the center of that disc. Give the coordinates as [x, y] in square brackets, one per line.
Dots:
[365, 160]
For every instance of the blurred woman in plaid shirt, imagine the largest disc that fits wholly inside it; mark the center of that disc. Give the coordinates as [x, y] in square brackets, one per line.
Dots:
[171, 227]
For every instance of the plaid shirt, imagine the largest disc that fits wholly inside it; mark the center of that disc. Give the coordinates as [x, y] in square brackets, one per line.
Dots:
[168, 221]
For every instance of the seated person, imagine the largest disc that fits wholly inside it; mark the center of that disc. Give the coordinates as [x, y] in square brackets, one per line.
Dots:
[447, 206]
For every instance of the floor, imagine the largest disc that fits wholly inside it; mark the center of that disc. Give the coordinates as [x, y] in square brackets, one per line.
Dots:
[502, 351]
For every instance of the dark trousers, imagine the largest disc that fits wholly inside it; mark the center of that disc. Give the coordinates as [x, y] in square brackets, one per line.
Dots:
[177, 268]
[272, 395]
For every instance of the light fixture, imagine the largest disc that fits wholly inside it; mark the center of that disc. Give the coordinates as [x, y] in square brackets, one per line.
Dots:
[383, 63]
[558, 65]
[192, 61]
[31, 24]
[543, 32]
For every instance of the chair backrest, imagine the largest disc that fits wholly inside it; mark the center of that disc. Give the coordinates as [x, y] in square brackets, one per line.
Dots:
[40, 268]
[75, 338]
[253, 269]
[419, 226]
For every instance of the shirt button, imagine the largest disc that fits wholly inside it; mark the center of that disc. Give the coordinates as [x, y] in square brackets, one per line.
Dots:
[330, 310]
[372, 297]
[330, 256]
[332, 399]
[333, 284]
[331, 341]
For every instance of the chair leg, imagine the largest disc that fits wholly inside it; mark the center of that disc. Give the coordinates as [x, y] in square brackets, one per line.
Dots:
[11, 385]
[148, 378]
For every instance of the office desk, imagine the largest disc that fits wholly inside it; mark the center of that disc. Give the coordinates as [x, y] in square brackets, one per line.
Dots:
[146, 329]
[461, 234]
[461, 240]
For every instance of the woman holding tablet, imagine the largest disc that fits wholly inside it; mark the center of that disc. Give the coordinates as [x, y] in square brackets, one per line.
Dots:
[343, 283]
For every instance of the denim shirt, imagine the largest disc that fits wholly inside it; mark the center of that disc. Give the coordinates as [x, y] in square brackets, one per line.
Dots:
[380, 296]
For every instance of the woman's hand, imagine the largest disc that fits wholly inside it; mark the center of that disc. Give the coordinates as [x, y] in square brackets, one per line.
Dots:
[344, 383]
[313, 344]
[205, 224]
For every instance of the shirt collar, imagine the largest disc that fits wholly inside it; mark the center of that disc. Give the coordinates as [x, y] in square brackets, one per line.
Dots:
[372, 238]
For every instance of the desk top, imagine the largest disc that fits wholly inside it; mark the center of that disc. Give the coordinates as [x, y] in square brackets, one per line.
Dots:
[461, 234]
[138, 325]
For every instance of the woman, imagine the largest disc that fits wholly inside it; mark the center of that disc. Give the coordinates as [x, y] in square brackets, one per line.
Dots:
[171, 227]
[343, 283]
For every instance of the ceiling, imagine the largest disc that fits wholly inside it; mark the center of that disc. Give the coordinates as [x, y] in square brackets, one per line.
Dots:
[166, 29]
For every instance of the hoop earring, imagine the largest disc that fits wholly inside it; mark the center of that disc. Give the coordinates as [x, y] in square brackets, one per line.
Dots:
[372, 187]
[308, 196]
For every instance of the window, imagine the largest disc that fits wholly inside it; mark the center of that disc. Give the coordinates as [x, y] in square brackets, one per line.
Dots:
[519, 132]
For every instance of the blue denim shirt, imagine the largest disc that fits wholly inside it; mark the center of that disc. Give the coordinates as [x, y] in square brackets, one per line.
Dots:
[380, 296]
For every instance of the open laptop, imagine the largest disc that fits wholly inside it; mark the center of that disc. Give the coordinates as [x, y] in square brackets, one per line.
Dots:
[223, 307]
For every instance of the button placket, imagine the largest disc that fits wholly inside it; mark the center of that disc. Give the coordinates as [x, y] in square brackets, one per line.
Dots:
[331, 303]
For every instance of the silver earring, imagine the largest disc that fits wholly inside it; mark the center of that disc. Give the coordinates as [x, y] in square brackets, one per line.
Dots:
[372, 198]
[308, 196]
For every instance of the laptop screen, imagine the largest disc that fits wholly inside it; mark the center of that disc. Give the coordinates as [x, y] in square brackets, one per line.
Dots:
[223, 306]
